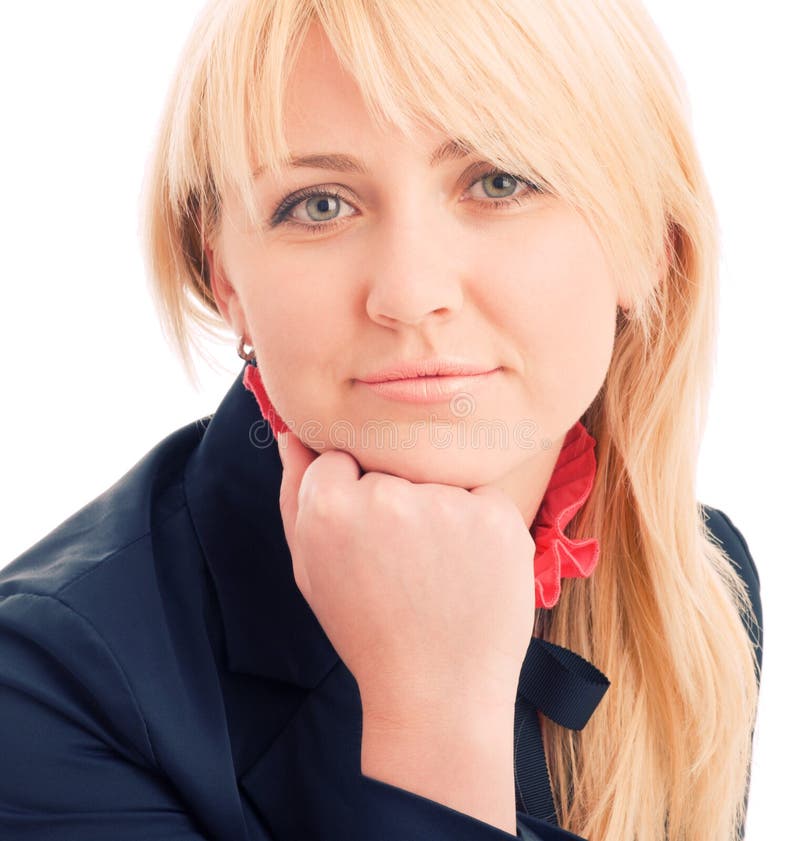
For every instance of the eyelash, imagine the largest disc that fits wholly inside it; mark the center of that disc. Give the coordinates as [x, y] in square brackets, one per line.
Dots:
[281, 214]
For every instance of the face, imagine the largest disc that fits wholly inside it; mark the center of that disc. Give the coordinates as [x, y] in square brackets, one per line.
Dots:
[414, 261]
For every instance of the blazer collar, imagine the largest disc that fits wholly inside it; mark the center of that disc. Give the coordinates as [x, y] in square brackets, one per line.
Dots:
[232, 483]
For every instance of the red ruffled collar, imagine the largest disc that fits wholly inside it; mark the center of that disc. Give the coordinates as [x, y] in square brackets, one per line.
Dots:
[557, 556]
[252, 381]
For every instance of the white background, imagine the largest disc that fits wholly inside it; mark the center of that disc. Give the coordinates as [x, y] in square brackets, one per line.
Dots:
[89, 384]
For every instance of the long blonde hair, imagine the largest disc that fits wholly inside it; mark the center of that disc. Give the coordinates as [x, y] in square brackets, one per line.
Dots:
[583, 95]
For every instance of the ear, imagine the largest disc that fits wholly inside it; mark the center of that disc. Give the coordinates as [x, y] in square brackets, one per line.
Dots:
[225, 294]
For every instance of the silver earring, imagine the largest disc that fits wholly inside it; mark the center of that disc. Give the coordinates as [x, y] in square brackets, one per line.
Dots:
[250, 356]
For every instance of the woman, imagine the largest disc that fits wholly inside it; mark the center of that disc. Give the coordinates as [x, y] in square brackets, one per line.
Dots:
[483, 230]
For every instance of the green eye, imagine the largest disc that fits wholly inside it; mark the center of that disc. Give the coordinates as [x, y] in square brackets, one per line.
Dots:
[328, 205]
[493, 181]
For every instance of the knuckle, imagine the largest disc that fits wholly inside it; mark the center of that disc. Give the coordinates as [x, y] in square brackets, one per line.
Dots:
[332, 507]
[388, 498]
[444, 504]
[324, 503]
[499, 513]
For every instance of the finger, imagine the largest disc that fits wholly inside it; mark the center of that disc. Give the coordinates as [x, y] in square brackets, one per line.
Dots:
[491, 492]
[295, 458]
[302, 466]
[501, 497]
[332, 473]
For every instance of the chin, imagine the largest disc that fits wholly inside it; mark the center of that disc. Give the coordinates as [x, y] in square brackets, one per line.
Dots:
[463, 468]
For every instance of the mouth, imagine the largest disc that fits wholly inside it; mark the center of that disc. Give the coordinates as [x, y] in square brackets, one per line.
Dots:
[439, 366]
[430, 388]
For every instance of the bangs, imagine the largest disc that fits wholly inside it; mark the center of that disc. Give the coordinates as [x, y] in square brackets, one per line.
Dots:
[465, 68]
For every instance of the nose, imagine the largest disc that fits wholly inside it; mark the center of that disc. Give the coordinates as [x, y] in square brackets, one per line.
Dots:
[414, 273]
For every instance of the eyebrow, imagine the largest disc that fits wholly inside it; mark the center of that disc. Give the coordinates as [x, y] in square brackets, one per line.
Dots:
[449, 150]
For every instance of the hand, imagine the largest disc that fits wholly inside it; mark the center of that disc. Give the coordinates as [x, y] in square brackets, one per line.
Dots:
[426, 591]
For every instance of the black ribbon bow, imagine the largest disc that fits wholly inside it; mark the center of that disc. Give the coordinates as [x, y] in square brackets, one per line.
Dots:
[567, 689]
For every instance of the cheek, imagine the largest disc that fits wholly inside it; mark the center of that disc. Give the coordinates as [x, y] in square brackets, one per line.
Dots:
[295, 318]
[299, 343]
[565, 322]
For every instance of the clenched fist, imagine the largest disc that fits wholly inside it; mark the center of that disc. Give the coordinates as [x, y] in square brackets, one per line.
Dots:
[426, 591]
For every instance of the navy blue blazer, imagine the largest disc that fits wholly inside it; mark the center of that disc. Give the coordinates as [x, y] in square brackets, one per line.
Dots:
[162, 677]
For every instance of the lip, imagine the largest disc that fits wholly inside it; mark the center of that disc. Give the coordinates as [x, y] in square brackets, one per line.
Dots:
[434, 367]
[434, 389]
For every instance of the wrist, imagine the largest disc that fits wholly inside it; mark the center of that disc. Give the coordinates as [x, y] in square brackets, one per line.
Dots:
[422, 708]
[460, 760]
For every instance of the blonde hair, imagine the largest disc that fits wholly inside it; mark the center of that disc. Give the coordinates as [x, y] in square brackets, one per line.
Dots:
[585, 97]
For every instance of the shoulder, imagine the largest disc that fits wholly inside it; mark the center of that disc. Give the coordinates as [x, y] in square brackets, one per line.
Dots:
[108, 526]
[88, 613]
[736, 548]
[113, 716]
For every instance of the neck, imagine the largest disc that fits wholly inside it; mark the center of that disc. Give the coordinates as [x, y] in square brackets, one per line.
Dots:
[527, 483]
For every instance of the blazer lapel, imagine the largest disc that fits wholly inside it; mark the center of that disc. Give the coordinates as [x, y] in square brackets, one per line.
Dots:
[301, 780]
[308, 779]
[232, 484]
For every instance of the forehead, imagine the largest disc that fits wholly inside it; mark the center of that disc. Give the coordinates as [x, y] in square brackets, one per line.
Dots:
[319, 91]
[325, 109]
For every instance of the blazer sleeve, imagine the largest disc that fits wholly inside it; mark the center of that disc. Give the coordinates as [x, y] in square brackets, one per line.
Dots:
[392, 813]
[75, 759]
